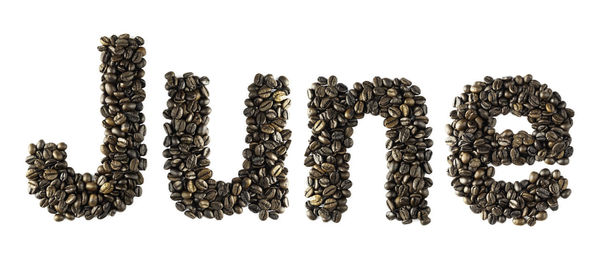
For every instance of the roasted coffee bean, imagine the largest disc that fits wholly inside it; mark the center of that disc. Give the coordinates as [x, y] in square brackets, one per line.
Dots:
[261, 184]
[68, 194]
[334, 112]
[106, 188]
[475, 144]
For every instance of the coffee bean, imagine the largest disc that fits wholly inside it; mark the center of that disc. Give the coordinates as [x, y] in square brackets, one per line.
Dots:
[50, 174]
[513, 204]
[519, 221]
[71, 199]
[390, 122]
[203, 204]
[59, 217]
[330, 204]
[316, 200]
[204, 174]
[268, 129]
[319, 125]
[93, 200]
[334, 112]
[542, 215]
[261, 184]
[329, 190]
[475, 144]
[106, 188]
[263, 214]
[265, 105]
[118, 179]
[57, 154]
[328, 167]
[276, 171]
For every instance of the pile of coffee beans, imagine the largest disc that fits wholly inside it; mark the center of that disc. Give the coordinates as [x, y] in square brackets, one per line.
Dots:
[261, 183]
[334, 112]
[475, 144]
[68, 194]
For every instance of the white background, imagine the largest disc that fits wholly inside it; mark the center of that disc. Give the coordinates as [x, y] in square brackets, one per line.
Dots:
[50, 90]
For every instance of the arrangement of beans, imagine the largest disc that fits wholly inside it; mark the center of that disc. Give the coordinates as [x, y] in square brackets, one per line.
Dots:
[261, 184]
[68, 194]
[334, 111]
[475, 144]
